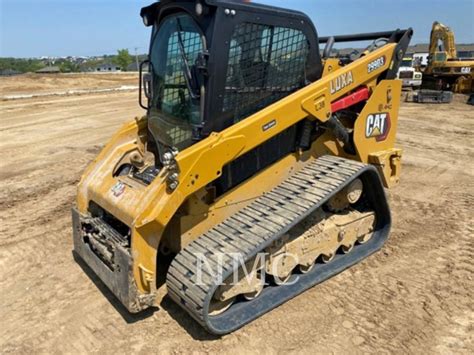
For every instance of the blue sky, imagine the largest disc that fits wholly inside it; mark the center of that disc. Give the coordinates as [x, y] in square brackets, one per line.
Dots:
[31, 28]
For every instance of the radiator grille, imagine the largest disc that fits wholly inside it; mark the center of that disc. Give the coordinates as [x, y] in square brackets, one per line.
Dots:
[406, 75]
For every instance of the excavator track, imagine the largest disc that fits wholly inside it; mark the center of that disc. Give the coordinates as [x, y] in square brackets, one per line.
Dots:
[254, 228]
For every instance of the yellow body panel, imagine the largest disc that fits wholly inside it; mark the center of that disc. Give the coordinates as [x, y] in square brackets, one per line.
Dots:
[384, 101]
[148, 210]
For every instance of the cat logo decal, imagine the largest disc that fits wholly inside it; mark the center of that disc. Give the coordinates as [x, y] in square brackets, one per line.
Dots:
[377, 126]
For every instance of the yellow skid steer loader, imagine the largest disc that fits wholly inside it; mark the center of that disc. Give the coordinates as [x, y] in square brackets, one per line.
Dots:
[258, 170]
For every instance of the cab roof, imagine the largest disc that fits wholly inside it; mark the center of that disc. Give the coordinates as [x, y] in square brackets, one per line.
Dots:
[231, 4]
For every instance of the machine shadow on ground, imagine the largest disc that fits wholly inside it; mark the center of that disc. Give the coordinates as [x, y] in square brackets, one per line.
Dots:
[124, 313]
[196, 331]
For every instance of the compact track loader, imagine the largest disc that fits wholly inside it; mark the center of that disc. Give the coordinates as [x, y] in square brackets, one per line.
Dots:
[258, 170]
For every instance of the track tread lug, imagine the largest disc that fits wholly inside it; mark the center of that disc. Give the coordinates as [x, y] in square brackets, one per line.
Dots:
[265, 219]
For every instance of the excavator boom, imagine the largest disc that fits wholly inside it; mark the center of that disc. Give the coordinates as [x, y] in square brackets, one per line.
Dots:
[443, 34]
[445, 71]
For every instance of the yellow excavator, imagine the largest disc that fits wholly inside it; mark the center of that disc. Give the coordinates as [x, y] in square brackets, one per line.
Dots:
[258, 170]
[445, 71]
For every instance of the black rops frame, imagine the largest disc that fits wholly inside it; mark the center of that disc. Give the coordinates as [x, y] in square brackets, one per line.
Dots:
[401, 37]
[217, 22]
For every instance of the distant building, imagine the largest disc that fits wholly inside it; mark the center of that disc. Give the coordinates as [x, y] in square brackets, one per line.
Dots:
[9, 72]
[418, 48]
[49, 70]
[417, 51]
[465, 50]
[421, 52]
[133, 67]
[106, 67]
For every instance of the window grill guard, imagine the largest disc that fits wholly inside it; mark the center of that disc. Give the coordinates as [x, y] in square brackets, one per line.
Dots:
[176, 91]
[176, 95]
[174, 111]
[266, 63]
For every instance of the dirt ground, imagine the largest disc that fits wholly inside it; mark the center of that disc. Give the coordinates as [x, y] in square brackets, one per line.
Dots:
[415, 296]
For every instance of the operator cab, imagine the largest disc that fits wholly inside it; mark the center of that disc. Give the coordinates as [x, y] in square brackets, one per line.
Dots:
[206, 77]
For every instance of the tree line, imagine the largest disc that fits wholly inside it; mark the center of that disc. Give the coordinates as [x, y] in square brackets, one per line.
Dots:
[22, 65]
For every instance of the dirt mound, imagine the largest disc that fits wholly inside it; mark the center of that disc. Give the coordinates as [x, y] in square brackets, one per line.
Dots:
[28, 84]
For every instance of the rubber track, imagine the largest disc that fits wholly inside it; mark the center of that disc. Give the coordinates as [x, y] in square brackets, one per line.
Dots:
[256, 226]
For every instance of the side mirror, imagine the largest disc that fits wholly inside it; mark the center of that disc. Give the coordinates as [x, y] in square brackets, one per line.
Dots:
[147, 78]
[145, 84]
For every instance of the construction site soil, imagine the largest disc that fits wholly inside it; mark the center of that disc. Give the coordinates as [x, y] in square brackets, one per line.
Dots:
[414, 296]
